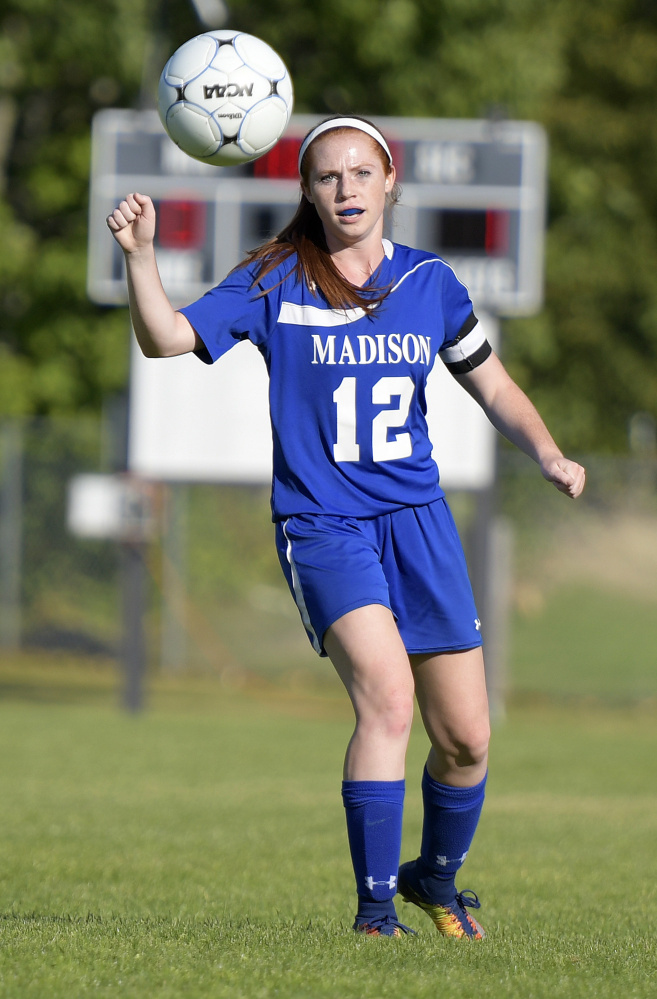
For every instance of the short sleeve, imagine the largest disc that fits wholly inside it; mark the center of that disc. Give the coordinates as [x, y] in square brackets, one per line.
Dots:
[465, 346]
[228, 313]
[457, 308]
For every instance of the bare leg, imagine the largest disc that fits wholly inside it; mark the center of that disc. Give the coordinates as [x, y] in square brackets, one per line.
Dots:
[451, 694]
[370, 659]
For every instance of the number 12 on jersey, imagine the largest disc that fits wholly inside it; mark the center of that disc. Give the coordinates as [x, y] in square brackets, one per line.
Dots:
[346, 447]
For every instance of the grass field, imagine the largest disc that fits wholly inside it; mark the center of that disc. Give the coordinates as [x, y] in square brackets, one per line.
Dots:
[587, 643]
[585, 621]
[199, 850]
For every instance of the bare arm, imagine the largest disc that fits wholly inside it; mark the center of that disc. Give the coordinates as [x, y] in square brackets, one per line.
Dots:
[160, 330]
[516, 418]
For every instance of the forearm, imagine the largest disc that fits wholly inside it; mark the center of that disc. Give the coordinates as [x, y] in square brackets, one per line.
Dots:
[159, 329]
[509, 410]
[516, 418]
[514, 415]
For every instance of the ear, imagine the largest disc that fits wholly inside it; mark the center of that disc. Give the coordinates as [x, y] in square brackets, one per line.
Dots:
[305, 190]
[390, 179]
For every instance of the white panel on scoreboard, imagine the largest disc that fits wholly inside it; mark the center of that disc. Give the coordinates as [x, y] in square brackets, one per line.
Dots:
[200, 423]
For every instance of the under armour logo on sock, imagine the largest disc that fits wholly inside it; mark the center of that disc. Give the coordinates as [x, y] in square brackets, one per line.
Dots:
[390, 883]
[444, 861]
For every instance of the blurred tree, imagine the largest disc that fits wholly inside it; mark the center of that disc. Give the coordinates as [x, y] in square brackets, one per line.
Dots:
[588, 72]
[590, 359]
[57, 62]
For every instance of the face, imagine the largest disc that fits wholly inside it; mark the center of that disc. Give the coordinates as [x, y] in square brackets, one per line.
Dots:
[347, 182]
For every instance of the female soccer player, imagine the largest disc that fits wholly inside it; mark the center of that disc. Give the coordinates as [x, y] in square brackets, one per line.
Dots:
[350, 325]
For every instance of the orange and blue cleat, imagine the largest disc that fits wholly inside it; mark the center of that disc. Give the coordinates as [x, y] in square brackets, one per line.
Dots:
[451, 919]
[384, 926]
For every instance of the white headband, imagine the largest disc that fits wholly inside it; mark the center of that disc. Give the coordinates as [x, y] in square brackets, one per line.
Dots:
[362, 126]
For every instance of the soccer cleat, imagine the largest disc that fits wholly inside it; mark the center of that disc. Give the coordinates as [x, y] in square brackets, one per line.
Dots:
[453, 919]
[384, 926]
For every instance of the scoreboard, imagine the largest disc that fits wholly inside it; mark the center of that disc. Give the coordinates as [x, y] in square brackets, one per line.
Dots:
[473, 191]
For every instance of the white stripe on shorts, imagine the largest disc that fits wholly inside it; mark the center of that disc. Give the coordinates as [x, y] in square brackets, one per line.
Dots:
[298, 594]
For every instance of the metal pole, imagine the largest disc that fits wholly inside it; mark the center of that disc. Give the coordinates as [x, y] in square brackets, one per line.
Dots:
[11, 548]
[134, 640]
[174, 559]
[490, 564]
[478, 550]
[498, 612]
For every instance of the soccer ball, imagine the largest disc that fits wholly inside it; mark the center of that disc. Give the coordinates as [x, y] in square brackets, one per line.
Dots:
[225, 97]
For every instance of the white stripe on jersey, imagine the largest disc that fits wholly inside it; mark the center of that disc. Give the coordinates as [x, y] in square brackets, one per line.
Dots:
[312, 315]
[431, 260]
[465, 348]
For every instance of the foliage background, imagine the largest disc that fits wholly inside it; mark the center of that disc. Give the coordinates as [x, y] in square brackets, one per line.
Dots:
[587, 72]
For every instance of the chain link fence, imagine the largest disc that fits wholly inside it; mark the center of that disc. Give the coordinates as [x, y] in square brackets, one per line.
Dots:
[576, 583]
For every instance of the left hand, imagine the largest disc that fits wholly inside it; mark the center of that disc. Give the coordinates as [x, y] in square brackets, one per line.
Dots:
[566, 475]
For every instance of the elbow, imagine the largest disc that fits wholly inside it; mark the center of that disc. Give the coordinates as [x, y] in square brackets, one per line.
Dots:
[150, 350]
[150, 347]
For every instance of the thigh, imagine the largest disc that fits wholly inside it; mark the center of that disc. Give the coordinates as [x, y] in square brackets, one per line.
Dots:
[369, 656]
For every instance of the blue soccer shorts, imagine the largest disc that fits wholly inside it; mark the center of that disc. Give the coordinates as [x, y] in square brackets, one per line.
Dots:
[411, 561]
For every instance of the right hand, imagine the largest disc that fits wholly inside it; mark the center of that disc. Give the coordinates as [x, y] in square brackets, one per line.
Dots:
[133, 223]
[568, 476]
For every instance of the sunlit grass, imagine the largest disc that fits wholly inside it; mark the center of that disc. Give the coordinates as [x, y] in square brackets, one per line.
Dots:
[201, 851]
[585, 642]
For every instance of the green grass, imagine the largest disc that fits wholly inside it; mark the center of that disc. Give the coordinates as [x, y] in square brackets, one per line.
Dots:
[199, 850]
[586, 642]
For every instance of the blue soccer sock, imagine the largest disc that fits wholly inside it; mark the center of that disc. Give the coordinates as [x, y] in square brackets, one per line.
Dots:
[451, 815]
[374, 812]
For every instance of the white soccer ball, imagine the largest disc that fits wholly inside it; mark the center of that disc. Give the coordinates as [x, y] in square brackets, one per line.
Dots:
[225, 97]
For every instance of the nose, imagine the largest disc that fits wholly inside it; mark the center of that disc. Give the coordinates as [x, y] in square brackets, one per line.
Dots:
[345, 187]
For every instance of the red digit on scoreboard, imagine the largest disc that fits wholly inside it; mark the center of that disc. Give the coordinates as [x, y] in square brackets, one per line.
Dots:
[280, 163]
[497, 233]
[181, 224]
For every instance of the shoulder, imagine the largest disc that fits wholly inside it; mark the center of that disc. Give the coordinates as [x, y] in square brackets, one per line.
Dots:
[264, 273]
[408, 254]
[408, 263]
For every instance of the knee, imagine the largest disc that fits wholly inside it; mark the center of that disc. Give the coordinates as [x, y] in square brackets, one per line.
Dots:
[465, 745]
[390, 714]
[471, 744]
[399, 718]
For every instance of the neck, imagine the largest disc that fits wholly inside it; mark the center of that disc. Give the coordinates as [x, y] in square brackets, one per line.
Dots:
[357, 263]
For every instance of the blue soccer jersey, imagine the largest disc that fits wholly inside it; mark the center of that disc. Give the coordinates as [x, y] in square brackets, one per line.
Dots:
[347, 387]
